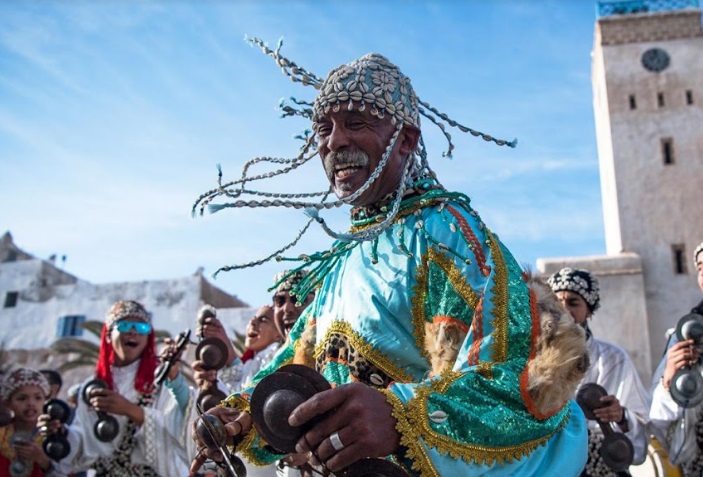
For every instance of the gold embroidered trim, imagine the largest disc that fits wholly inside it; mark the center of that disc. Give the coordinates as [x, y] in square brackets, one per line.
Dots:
[401, 213]
[417, 306]
[419, 298]
[365, 349]
[245, 449]
[455, 276]
[500, 302]
[417, 419]
[236, 401]
[410, 438]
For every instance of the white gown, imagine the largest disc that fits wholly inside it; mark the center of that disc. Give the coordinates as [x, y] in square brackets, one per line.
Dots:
[159, 440]
[674, 426]
[612, 368]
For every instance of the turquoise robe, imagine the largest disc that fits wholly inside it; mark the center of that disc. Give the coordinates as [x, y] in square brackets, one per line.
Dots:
[378, 305]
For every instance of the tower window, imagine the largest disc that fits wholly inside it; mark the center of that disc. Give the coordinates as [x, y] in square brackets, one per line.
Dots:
[668, 150]
[678, 253]
[689, 96]
[660, 99]
[11, 299]
[633, 102]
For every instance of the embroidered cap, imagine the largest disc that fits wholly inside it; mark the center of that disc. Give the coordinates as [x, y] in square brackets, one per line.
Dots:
[578, 281]
[286, 280]
[22, 377]
[370, 81]
[126, 308]
[696, 252]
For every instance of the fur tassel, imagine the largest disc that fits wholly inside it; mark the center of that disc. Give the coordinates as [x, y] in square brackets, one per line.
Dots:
[561, 357]
[305, 351]
[443, 339]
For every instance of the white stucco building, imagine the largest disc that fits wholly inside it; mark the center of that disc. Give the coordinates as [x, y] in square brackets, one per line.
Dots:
[40, 303]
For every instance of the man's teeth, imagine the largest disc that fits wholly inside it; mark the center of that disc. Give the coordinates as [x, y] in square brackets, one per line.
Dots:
[346, 172]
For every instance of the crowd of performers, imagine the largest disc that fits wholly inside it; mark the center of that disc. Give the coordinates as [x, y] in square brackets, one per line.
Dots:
[416, 341]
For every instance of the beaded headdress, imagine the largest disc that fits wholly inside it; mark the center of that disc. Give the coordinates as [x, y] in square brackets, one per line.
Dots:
[126, 308]
[22, 377]
[698, 250]
[578, 281]
[287, 279]
[371, 81]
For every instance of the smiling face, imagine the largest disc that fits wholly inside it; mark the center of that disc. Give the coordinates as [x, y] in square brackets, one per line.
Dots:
[261, 330]
[575, 305]
[285, 310]
[129, 345]
[352, 144]
[26, 403]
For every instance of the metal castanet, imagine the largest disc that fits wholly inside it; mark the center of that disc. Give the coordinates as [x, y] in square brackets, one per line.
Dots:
[56, 445]
[616, 449]
[20, 467]
[212, 433]
[686, 385]
[106, 428]
[276, 396]
[213, 353]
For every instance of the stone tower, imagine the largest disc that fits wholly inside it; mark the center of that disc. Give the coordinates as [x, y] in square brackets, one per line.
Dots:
[647, 76]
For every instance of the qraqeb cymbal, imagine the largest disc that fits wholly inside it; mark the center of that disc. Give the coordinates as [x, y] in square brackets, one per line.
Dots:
[278, 394]
[212, 352]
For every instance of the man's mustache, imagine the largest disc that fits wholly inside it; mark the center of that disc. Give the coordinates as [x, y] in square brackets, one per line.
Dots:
[347, 158]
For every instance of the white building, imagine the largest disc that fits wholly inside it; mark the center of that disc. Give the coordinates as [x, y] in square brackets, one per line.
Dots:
[40, 303]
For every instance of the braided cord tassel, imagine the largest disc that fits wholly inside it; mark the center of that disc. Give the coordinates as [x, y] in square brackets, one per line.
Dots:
[267, 259]
[451, 122]
[289, 68]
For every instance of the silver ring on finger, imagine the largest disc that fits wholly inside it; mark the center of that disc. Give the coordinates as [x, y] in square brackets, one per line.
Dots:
[336, 441]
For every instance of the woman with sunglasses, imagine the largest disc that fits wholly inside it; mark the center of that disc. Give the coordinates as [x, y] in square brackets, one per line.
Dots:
[149, 439]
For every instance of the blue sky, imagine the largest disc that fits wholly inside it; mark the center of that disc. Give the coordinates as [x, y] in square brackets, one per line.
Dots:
[114, 115]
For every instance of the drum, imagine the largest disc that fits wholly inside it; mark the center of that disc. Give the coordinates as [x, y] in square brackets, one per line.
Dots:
[656, 464]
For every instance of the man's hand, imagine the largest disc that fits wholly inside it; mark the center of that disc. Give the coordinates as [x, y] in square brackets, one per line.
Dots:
[611, 411]
[204, 379]
[107, 400]
[683, 353]
[237, 425]
[212, 327]
[48, 426]
[359, 418]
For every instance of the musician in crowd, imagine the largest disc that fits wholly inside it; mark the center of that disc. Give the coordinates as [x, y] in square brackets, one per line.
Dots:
[625, 408]
[287, 307]
[55, 381]
[678, 428]
[261, 341]
[150, 438]
[24, 391]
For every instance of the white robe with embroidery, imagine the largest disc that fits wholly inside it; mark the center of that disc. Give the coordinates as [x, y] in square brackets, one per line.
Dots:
[160, 438]
[612, 368]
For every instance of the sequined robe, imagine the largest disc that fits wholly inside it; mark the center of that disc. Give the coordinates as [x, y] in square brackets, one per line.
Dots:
[378, 306]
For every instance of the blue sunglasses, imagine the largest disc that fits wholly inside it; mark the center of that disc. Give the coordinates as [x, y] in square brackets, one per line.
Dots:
[138, 326]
